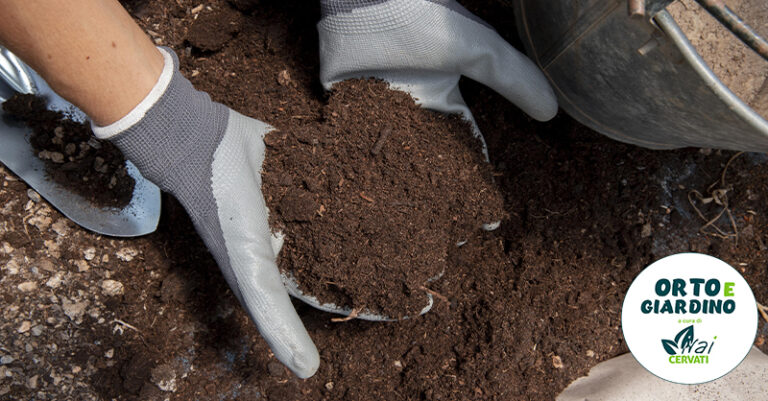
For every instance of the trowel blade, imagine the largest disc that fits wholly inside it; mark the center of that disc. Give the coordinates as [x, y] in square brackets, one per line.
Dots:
[139, 217]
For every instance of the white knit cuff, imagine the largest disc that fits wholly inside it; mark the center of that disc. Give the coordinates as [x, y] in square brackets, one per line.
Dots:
[138, 112]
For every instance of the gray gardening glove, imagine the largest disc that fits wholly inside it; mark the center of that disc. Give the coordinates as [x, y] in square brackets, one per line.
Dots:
[209, 157]
[423, 47]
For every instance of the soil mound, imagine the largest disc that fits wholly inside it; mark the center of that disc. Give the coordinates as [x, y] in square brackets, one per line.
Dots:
[373, 196]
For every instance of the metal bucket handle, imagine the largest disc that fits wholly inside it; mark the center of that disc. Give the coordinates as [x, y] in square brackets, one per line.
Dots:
[668, 25]
[717, 8]
[735, 24]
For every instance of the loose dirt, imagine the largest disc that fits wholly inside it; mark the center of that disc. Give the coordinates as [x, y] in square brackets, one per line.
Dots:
[740, 68]
[524, 310]
[73, 157]
[373, 196]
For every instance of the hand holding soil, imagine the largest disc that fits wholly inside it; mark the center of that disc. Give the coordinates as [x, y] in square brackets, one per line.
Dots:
[372, 198]
[380, 41]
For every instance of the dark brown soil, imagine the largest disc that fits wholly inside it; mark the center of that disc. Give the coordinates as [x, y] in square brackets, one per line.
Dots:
[73, 157]
[373, 196]
[586, 214]
[212, 29]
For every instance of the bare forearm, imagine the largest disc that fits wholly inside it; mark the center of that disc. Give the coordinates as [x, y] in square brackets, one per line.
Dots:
[91, 52]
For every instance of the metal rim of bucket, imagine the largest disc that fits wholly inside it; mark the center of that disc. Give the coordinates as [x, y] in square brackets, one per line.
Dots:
[668, 25]
[733, 22]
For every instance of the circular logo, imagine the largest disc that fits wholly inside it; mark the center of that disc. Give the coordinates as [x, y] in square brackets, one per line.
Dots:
[689, 318]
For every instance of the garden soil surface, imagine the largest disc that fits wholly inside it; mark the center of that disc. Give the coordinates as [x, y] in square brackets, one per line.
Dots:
[522, 311]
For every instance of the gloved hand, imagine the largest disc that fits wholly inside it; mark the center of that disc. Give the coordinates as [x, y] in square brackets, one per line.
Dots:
[209, 157]
[423, 47]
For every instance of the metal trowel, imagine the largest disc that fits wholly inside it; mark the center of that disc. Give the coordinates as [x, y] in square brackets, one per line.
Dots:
[139, 217]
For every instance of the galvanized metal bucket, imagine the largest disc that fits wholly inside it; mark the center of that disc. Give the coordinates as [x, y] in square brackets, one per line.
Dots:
[637, 80]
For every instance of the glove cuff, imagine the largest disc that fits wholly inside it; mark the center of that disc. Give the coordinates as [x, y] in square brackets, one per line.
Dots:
[141, 109]
[175, 138]
[343, 15]
[333, 7]
[368, 16]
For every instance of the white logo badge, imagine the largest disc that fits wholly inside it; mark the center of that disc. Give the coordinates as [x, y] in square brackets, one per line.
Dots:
[689, 318]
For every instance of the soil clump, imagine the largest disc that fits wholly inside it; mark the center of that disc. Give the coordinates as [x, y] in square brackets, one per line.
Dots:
[73, 157]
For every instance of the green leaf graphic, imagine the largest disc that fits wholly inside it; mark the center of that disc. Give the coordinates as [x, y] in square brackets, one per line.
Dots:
[669, 346]
[685, 337]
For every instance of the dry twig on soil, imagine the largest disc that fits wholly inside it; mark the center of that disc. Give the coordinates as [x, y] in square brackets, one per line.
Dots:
[719, 195]
[352, 315]
[763, 311]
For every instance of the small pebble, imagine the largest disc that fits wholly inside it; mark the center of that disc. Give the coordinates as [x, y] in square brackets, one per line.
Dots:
[110, 353]
[41, 221]
[60, 227]
[12, 267]
[329, 386]
[76, 369]
[126, 254]
[590, 353]
[557, 362]
[89, 253]
[82, 266]
[46, 265]
[284, 78]
[112, 288]
[32, 382]
[37, 330]
[33, 196]
[57, 157]
[55, 281]
[53, 248]
[6, 359]
[27, 286]
[74, 310]
[645, 232]
[25, 326]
